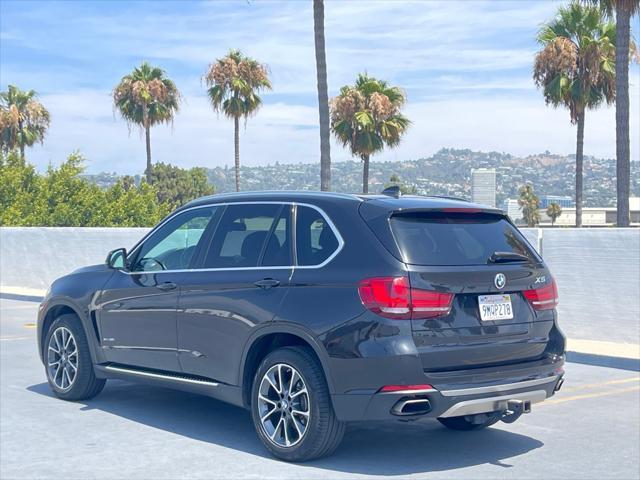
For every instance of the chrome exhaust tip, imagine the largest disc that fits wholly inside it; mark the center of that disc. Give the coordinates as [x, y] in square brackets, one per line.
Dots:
[406, 407]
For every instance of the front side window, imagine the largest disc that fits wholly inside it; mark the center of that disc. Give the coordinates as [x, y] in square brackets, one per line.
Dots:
[315, 240]
[250, 235]
[173, 245]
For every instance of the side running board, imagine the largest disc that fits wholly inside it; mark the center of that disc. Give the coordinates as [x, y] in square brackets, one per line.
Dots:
[176, 377]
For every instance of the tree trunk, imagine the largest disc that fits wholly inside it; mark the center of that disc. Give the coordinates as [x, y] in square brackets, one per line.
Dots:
[21, 141]
[236, 144]
[365, 173]
[323, 96]
[579, 160]
[147, 134]
[623, 166]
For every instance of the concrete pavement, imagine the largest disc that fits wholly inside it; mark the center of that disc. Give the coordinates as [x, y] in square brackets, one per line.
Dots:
[591, 429]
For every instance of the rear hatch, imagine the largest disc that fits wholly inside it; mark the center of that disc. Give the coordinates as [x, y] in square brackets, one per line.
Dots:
[487, 267]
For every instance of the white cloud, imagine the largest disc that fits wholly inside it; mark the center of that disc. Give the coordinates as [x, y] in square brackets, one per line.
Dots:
[465, 66]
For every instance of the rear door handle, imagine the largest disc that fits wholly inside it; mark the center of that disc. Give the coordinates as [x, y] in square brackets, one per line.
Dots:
[267, 283]
[166, 286]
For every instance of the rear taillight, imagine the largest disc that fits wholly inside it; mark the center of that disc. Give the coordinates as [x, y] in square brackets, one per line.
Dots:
[543, 298]
[393, 297]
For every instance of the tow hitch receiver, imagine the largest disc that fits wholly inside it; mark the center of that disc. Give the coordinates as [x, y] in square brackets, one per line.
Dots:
[515, 408]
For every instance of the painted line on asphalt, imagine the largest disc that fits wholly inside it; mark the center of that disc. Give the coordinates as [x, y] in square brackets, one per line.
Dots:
[3, 339]
[594, 385]
[591, 395]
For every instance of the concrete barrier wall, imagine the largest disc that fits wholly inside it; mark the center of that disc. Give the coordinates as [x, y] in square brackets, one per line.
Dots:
[32, 257]
[597, 270]
[598, 275]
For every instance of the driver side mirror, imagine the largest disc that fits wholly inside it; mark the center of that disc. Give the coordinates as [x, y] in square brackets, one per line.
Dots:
[117, 259]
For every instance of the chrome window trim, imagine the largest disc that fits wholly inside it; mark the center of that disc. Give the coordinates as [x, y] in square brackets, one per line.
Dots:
[334, 229]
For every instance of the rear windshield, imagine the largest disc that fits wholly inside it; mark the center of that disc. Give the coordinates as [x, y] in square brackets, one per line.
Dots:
[455, 238]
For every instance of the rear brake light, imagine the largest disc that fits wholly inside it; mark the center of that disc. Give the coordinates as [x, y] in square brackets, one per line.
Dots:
[544, 298]
[393, 297]
[462, 210]
[428, 304]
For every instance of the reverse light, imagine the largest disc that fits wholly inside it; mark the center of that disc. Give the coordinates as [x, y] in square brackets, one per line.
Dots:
[544, 298]
[393, 297]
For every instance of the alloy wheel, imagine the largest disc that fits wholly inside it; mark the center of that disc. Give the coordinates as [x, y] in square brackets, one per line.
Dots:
[283, 405]
[62, 358]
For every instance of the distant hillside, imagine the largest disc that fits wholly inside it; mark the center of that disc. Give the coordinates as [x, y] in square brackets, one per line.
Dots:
[448, 172]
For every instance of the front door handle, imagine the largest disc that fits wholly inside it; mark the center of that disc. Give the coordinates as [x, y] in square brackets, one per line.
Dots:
[267, 283]
[166, 286]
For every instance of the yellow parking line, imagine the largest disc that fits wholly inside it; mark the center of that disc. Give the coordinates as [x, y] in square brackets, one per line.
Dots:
[593, 385]
[591, 395]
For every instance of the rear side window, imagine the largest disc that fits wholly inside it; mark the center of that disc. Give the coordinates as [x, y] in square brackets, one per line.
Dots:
[246, 233]
[455, 238]
[315, 240]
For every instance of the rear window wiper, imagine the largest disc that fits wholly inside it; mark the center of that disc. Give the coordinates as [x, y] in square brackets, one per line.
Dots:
[505, 257]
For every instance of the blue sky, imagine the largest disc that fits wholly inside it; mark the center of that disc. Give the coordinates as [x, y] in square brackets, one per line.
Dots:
[466, 68]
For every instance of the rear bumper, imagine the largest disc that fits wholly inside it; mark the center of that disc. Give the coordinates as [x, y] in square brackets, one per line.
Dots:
[457, 393]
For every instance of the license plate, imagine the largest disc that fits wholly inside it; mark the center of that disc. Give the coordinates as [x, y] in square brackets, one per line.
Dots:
[495, 307]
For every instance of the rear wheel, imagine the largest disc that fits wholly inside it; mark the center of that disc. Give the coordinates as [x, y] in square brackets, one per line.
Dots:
[291, 407]
[469, 422]
[68, 361]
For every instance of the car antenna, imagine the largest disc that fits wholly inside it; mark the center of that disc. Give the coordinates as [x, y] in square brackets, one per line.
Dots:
[392, 191]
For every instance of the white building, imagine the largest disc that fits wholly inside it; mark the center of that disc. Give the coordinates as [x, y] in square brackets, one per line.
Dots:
[483, 186]
[593, 216]
[511, 207]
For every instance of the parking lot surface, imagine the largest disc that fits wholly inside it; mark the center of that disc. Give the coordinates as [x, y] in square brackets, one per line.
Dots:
[591, 429]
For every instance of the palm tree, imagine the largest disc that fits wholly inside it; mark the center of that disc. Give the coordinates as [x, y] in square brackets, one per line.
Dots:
[575, 69]
[146, 97]
[554, 210]
[529, 204]
[405, 188]
[234, 82]
[23, 120]
[323, 96]
[624, 10]
[366, 117]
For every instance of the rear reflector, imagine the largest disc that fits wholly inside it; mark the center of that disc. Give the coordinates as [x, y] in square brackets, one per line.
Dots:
[406, 389]
[544, 298]
[393, 297]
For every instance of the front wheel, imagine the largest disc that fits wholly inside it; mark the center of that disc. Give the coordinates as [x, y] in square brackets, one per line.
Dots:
[68, 361]
[291, 407]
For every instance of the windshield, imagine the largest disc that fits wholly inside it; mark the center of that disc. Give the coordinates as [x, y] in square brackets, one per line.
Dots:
[456, 238]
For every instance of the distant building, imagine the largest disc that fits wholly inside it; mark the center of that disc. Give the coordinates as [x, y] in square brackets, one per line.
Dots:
[593, 216]
[562, 200]
[483, 186]
[511, 207]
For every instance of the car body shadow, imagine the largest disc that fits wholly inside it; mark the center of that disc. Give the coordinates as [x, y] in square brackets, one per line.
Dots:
[376, 448]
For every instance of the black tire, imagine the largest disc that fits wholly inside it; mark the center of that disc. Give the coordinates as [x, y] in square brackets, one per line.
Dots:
[464, 424]
[85, 384]
[323, 431]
